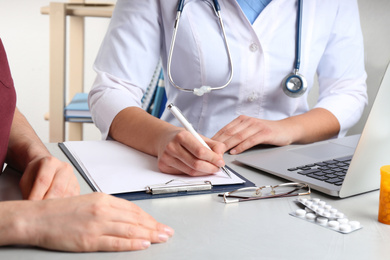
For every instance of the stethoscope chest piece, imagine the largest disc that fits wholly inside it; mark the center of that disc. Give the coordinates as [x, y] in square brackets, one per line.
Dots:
[294, 85]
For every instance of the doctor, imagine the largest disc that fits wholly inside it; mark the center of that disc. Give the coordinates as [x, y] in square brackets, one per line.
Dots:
[245, 60]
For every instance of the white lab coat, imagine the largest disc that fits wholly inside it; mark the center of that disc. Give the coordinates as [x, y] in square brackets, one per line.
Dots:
[263, 54]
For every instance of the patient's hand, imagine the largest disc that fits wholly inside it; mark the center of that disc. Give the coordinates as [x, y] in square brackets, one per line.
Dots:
[47, 177]
[93, 222]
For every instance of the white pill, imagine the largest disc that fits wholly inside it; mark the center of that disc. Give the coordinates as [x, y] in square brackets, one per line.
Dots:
[345, 228]
[343, 220]
[328, 207]
[302, 200]
[333, 211]
[322, 220]
[320, 211]
[309, 203]
[334, 224]
[326, 214]
[310, 216]
[300, 213]
[316, 200]
[339, 215]
[354, 224]
[314, 207]
[322, 203]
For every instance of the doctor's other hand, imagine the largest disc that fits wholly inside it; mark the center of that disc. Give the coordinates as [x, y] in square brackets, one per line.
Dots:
[180, 152]
[47, 177]
[244, 132]
[86, 223]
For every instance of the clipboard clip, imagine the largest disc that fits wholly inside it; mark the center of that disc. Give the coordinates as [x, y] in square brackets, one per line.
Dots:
[177, 185]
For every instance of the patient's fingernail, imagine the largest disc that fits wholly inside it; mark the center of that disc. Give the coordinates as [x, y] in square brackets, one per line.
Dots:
[233, 151]
[163, 237]
[146, 244]
[169, 231]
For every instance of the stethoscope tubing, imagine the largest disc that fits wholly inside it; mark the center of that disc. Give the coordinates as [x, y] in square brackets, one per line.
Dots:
[298, 40]
[203, 89]
[289, 79]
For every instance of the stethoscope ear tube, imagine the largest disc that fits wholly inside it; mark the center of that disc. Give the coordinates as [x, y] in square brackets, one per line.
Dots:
[203, 89]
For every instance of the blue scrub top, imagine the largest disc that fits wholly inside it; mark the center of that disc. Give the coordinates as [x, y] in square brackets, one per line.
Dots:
[252, 8]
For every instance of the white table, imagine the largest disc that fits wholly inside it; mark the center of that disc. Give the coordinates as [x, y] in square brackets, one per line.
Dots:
[206, 228]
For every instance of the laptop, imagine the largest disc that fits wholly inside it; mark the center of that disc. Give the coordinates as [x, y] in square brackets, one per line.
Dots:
[351, 164]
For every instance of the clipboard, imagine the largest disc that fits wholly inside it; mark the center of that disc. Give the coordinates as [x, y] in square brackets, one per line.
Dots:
[172, 188]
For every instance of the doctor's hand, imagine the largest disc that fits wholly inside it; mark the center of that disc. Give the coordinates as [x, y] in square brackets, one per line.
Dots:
[46, 177]
[244, 132]
[180, 152]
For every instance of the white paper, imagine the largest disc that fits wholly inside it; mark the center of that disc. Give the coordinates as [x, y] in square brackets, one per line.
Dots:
[115, 168]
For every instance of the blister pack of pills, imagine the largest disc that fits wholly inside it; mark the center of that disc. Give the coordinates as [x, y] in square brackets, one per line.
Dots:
[319, 212]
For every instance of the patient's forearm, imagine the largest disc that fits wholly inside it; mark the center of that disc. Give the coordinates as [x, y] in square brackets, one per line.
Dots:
[14, 222]
[24, 144]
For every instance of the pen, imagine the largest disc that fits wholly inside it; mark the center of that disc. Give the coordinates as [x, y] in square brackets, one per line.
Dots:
[179, 116]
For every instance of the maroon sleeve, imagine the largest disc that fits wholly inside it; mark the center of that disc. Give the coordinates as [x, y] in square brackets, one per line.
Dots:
[7, 103]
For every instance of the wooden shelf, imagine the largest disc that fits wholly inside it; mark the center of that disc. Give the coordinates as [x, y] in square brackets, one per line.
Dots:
[84, 10]
[76, 10]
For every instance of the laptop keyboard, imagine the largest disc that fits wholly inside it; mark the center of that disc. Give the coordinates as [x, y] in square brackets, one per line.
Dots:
[332, 171]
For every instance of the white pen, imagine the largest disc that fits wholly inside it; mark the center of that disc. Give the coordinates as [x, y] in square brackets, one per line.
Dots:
[179, 116]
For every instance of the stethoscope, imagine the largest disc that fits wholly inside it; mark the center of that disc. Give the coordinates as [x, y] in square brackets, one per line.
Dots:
[203, 89]
[294, 84]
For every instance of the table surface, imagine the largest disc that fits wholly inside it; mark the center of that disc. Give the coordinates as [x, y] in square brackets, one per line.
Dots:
[206, 228]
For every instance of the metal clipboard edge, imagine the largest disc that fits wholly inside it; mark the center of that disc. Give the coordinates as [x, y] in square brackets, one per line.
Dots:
[142, 195]
[187, 187]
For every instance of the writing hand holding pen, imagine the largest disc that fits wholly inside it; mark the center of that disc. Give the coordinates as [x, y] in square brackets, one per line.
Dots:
[179, 116]
[180, 152]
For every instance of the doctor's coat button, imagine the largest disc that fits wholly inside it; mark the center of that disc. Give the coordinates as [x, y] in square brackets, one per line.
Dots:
[253, 47]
